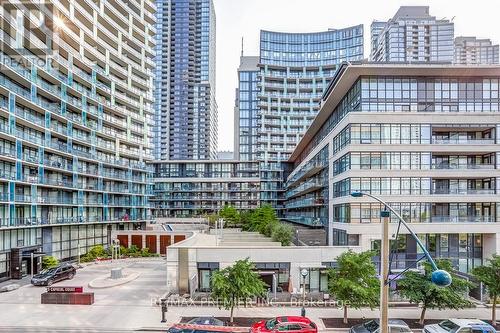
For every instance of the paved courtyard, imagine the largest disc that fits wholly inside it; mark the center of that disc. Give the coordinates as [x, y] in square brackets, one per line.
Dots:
[131, 306]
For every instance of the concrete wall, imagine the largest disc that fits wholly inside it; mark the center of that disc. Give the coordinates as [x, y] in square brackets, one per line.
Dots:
[298, 257]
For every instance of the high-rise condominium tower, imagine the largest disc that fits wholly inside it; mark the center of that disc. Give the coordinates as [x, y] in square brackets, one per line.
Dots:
[423, 138]
[474, 51]
[185, 107]
[412, 35]
[246, 110]
[75, 111]
[279, 93]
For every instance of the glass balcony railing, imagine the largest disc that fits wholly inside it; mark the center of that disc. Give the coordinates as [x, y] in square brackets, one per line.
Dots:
[452, 191]
[309, 202]
[463, 166]
[309, 221]
[463, 141]
[306, 187]
[464, 218]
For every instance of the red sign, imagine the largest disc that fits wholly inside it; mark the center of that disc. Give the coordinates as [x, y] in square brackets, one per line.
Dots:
[65, 289]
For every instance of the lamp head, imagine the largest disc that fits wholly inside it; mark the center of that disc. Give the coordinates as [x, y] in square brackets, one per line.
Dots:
[441, 278]
[356, 194]
[304, 272]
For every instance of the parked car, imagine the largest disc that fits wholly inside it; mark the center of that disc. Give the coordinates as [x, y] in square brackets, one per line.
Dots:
[285, 324]
[460, 326]
[51, 275]
[206, 320]
[373, 326]
[189, 328]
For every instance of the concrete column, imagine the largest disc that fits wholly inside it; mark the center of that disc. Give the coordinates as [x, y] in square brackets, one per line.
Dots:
[129, 239]
[143, 241]
[158, 243]
[171, 239]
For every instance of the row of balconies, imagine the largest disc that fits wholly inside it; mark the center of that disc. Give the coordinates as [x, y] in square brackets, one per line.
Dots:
[179, 198]
[47, 200]
[34, 221]
[61, 146]
[38, 43]
[428, 219]
[213, 206]
[56, 108]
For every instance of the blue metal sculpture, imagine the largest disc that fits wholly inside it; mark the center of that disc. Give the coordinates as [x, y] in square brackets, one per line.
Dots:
[438, 276]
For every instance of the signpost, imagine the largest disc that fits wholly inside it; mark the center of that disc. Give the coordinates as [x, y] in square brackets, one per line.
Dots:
[65, 289]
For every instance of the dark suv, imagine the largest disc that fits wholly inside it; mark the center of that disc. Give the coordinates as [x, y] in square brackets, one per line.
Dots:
[51, 275]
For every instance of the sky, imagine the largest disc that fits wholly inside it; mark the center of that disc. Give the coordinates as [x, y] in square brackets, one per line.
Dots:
[245, 18]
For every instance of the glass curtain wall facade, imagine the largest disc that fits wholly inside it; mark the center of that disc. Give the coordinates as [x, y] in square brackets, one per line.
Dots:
[425, 140]
[412, 35]
[75, 112]
[199, 188]
[185, 109]
[474, 51]
[295, 69]
[246, 110]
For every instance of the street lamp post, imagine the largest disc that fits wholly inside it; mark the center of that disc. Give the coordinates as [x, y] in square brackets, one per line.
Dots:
[304, 273]
[438, 277]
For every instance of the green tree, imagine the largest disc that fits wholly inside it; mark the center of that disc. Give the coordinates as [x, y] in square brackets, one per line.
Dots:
[230, 215]
[418, 288]
[489, 275]
[49, 262]
[236, 283]
[354, 281]
[282, 233]
[263, 220]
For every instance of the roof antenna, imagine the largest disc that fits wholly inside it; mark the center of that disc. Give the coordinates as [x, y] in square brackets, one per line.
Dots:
[242, 46]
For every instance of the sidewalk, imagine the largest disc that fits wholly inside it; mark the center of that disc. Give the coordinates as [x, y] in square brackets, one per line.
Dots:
[22, 282]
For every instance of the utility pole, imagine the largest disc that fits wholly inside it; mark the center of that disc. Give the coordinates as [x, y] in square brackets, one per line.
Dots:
[384, 273]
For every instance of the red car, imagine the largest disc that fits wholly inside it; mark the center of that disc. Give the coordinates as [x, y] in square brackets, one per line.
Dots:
[285, 324]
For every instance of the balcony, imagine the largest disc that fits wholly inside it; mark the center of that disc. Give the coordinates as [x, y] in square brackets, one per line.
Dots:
[309, 202]
[455, 191]
[307, 170]
[482, 166]
[464, 141]
[306, 187]
[462, 219]
[309, 221]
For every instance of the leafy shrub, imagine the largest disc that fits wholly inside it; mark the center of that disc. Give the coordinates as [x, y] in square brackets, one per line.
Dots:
[282, 233]
[49, 262]
[133, 249]
[97, 251]
[123, 250]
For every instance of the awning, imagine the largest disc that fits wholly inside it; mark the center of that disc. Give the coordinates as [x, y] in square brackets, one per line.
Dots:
[35, 255]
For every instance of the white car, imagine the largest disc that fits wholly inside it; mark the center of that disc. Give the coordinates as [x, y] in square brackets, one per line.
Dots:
[460, 326]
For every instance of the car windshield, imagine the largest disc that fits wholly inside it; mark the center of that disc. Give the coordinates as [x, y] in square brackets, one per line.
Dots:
[371, 325]
[48, 270]
[449, 326]
[271, 323]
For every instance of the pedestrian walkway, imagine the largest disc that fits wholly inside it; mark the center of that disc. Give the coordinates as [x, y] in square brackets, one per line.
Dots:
[22, 282]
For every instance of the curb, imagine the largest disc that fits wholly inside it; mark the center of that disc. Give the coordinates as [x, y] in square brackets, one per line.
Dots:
[132, 276]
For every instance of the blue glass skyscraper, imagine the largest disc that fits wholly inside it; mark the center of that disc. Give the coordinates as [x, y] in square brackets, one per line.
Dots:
[185, 109]
[292, 72]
